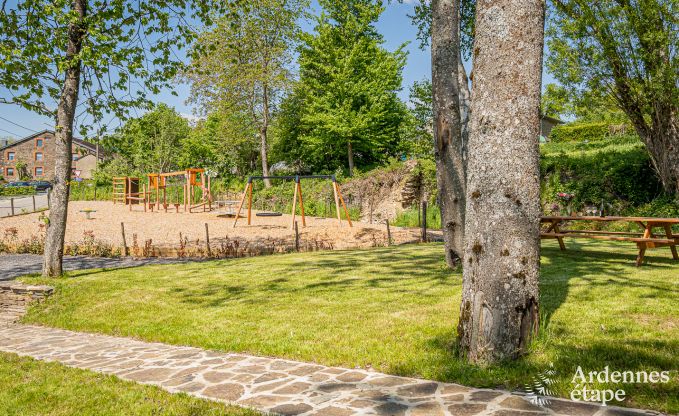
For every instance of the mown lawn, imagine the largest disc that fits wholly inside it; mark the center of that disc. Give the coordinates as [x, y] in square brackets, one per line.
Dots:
[392, 309]
[31, 387]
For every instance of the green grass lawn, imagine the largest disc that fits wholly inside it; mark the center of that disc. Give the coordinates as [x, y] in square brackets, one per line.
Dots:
[392, 309]
[31, 387]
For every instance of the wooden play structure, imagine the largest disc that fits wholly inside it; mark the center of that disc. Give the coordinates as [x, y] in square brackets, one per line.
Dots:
[188, 188]
[247, 194]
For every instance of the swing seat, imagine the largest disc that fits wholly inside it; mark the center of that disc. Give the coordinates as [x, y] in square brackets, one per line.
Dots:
[269, 214]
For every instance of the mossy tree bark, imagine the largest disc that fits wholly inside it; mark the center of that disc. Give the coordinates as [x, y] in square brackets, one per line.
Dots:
[499, 308]
[54, 238]
[449, 147]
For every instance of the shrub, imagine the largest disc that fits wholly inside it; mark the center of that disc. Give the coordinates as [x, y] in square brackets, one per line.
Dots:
[577, 132]
[17, 191]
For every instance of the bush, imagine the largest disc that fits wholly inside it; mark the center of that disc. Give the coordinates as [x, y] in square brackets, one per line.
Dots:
[577, 132]
[17, 191]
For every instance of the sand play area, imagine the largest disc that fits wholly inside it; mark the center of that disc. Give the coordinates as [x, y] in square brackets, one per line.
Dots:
[181, 234]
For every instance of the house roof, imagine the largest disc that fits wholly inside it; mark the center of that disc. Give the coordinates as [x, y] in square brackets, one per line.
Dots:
[552, 119]
[88, 146]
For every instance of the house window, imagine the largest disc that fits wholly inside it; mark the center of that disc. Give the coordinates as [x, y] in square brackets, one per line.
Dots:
[38, 142]
[38, 157]
[74, 156]
[10, 155]
[10, 171]
[38, 171]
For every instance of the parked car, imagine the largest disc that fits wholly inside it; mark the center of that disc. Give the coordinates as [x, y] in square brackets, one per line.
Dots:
[41, 185]
[17, 184]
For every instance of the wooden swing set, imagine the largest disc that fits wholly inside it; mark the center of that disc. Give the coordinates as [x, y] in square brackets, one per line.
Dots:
[126, 190]
[297, 197]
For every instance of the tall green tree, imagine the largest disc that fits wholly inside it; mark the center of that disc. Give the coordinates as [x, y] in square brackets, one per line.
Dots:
[112, 53]
[247, 67]
[627, 50]
[152, 142]
[350, 112]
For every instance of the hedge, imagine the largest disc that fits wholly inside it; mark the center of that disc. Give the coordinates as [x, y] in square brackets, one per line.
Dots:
[17, 191]
[578, 132]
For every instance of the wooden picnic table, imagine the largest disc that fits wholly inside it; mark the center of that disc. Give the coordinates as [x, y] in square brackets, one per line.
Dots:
[645, 239]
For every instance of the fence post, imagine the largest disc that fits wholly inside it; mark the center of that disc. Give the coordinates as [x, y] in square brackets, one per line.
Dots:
[296, 237]
[424, 221]
[49, 193]
[95, 192]
[33, 196]
[11, 203]
[388, 232]
[122, 232]
[207, 240]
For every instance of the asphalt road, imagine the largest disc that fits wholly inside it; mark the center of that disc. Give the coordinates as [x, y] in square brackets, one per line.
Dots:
[22, 204]
[15, 265]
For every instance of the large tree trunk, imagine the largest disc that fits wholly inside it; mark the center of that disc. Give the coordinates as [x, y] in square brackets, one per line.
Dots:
[54, 239]
[449, 147]
[263, 133]
[499, 309]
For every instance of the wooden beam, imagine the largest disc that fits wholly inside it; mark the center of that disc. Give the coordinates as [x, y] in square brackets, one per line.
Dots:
[301, 203]
[240, 206]
[337, 208]
[294, 207]
[346, 211]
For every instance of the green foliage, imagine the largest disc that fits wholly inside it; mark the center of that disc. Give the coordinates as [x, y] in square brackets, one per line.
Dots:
[130, 51]
[419, 138]
[412, 217]
[346, 100]
[617, 170]
[149, 143]
[616, 54]
[17, 191]
[579, 132]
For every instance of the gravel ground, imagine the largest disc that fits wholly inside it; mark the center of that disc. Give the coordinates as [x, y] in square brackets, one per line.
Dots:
[162, 229]
[16, 265]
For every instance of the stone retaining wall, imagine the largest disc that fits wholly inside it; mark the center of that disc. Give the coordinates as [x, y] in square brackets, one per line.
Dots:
[15, 297]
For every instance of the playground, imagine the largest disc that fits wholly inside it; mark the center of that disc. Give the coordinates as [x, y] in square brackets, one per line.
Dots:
[171, 232]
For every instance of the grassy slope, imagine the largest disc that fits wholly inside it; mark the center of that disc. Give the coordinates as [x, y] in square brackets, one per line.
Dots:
[31, 387]
[394, 309]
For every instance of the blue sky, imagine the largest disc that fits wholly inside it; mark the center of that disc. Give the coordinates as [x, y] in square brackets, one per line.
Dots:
[394, 24]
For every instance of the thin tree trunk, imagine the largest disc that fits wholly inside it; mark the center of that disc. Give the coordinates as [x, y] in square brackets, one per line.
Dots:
[263, 133]
[499, 308]
[662, 142]
[54, 238]
[449, 147]
[465, 105]
[350, 155]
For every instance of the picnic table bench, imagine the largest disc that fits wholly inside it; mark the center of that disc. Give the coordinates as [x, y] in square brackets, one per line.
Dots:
[645, 239]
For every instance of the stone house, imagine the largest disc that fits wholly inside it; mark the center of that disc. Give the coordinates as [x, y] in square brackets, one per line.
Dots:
[37, 152]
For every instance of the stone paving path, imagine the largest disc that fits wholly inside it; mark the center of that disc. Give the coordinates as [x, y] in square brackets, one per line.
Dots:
[274, 385]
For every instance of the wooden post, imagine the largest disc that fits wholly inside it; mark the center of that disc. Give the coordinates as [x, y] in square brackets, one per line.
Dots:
[33, 196]
[209, 194]
[344, 206]
[95, 191]
[337, 208]
[250, 205]
[143, 187]
[294, 207]
[49, 193]
[122, 232]
[11, 203]
[207, 241]
[424, 221]
[301, 203]
[388, 233]
[240, 206]
[296, 237]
